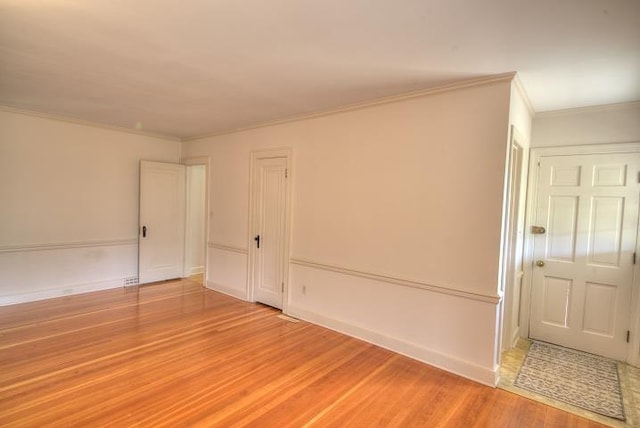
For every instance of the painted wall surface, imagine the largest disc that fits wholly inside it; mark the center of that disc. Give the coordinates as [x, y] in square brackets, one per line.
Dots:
[195, 231]
[411, 190]
[615, 123]
[69, 195]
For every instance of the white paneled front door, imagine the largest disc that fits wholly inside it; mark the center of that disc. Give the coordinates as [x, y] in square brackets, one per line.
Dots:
[268, 229]
[162, 221]
[583, 261]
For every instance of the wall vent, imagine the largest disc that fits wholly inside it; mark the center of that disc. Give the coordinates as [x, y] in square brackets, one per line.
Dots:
[132, 280]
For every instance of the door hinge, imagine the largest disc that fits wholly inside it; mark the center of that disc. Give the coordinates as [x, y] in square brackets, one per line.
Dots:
[634, 258]
[283, 287]
[628, 335]
[286, 173]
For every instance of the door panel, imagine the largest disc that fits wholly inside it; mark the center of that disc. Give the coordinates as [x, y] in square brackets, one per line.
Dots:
[162, 221]
[557, 295]
[581, 295]
[563, 220]
[269, 224]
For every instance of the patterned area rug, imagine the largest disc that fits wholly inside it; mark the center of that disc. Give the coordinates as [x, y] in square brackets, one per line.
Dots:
[574, 377]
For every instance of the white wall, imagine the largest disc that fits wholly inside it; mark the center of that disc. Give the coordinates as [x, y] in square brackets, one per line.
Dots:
[615, 123]
[397, 212]
[69, 198]
[195, 215]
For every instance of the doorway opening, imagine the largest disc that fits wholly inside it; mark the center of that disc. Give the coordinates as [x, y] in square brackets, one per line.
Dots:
[195, 223]
[196, 247]
[173, 224]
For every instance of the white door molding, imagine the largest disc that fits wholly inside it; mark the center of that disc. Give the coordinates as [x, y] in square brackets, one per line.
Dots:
[256, 156]
[633, 356]
[161, 221]
[206, 162]
[512, 251]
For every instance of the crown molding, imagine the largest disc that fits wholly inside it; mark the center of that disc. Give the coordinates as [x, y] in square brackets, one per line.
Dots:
[450, 87]
[517, 83]
[589, 109]
[83, 122]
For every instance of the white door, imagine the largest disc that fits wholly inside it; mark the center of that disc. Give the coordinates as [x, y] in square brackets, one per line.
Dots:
[162, 221]
[583, 262]
[268, 229]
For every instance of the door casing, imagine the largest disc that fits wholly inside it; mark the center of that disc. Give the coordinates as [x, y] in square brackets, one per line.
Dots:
[151, 226]
[513, 242]
[199, 160]
[204, 161]
[285, 153]
[633, 352]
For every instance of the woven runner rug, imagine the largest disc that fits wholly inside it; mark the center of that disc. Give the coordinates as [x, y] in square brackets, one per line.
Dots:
[574, 377]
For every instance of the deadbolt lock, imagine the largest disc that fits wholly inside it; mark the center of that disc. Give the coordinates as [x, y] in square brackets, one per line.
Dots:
[538, 230]
[540, 263]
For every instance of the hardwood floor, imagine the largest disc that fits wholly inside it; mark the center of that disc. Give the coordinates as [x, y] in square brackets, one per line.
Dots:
[177, 354]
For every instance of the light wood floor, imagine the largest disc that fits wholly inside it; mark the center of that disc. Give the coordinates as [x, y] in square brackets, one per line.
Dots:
[176, 354]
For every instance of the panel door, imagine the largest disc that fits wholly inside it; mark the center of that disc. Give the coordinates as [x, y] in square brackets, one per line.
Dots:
[269, 219]
[583, 263]
[162, 221]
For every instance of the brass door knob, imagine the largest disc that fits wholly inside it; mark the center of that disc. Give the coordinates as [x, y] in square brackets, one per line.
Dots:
[540, 263]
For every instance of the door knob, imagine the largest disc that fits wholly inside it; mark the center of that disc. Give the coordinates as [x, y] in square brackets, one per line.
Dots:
[540, 263]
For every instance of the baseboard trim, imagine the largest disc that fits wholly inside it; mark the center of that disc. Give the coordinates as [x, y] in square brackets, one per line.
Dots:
[466, 369]
[515, 337]
[233, 292]
[68, 290]
[196, 270]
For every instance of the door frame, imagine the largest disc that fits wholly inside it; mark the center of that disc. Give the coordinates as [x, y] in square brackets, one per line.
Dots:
[257, 155]
[515, 211]
[532, 201]
[143, 164]
[204, 161]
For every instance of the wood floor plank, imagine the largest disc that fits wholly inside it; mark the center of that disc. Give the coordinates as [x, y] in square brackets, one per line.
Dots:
[177, 354]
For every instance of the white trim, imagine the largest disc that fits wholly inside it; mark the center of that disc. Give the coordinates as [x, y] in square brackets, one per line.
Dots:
[82, 122]
[228, 248]
[195, 270]
[67, 245]
[504, 77]
[443, 361]
[61, 292]
[229, 291]
[450, 290]
[610, 148]
[206, 161]
[517, 83]
[281, 152]
[195, 160]
[511, 220]
[588, 109]
[532, 199]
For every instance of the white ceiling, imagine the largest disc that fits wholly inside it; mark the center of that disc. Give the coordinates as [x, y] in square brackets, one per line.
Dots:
[192, 67]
